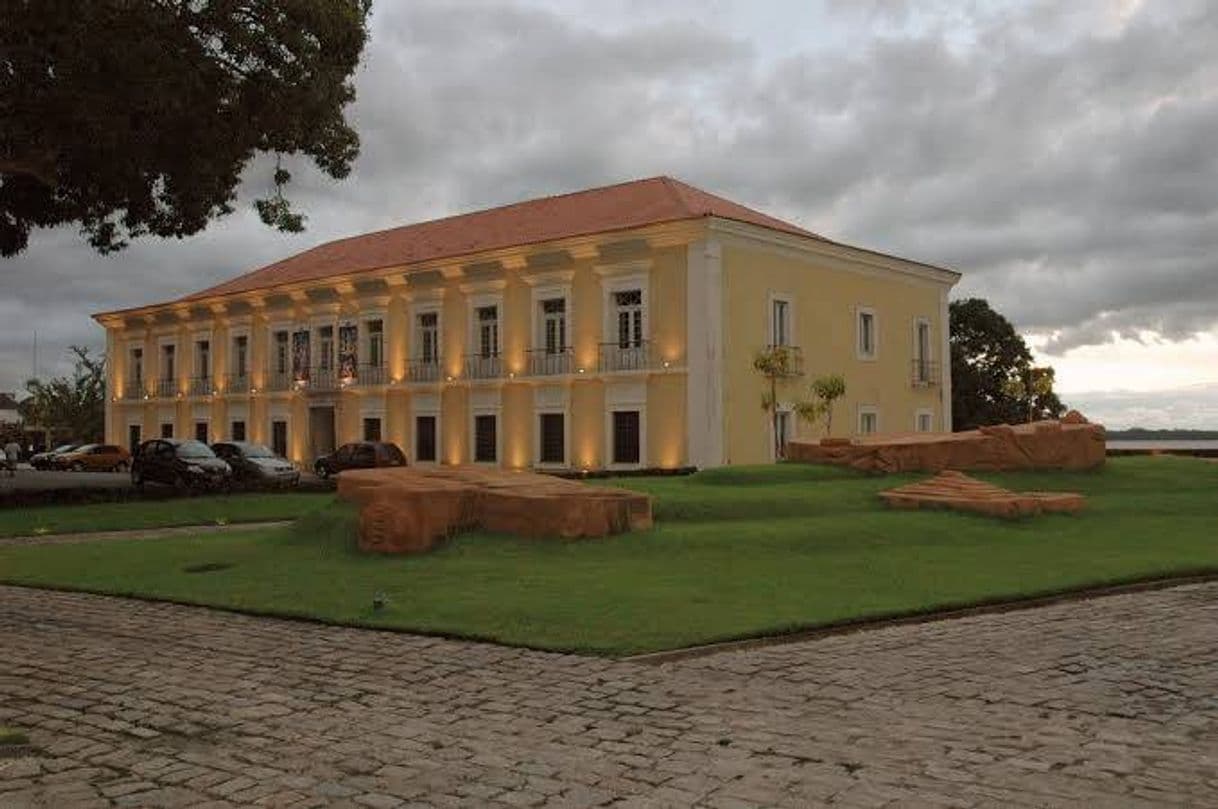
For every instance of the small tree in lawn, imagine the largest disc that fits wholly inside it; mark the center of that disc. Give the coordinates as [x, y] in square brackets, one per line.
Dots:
[774, 363]
[826, 390]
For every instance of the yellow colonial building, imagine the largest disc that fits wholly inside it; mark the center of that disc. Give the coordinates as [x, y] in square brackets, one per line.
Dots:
[613, 328]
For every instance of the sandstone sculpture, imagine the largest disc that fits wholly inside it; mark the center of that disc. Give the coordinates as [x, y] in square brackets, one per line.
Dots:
[410, 509]
[955, 490]
[1072, 443]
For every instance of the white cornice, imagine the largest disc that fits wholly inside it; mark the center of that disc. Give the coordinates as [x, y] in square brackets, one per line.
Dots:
[632, 267]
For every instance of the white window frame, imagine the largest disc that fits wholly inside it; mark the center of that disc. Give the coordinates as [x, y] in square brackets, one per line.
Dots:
[195, 339]
[626, 407]
[916, 350]
[624, 283]
[550, 293]
[919, 414]
[867, 410]
[279, 412]
[417, 311]
[789, 300]
[132, 347]
[271, 330]
[473, 304]
[365, 338]
[249, 355]
[160, 359]
[858, 334]
[784, 408]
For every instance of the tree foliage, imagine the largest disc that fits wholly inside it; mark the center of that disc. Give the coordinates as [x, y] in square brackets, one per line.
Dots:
[70, 407]
[825, 391]
[993, 379]
[135, 117]
[774, 363]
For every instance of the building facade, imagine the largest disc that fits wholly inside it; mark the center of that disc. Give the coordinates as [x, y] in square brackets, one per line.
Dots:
[609, 329]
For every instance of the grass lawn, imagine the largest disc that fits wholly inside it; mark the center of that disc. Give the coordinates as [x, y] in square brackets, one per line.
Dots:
[736, 552]
[159, 513]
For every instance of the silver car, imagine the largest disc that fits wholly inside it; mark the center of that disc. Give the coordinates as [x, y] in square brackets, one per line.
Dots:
[256, 465]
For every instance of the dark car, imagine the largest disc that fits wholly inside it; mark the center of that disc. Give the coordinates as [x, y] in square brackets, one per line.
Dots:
[255, 464]
[46, 460]
[360, 455]
[179, 463]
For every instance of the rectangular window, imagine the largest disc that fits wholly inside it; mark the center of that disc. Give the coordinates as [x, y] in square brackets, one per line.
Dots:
[781, 322]
[203, 359]
[425, 438]
[783, 423]
[925, 422]
[487, 318]
[279, 437]
[628, 305]
[922, 352]
[237, 430]
[372, 429]
[325, 348]
[554, 325]
[168, 371]
[241, 355]
[167, 430]
[201, 431]
[133, 437]
[553, 438]
[282, 354]
[485, 442]
[429, 338]
[137, 367]
[866, 334]
[376, 343]
[300, 355]
[627, 437]
[869, 422]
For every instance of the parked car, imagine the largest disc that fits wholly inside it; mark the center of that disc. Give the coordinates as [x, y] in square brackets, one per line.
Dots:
[359, 455]
[183, 464]
[93, 458]
[255, 464]
[43, 460]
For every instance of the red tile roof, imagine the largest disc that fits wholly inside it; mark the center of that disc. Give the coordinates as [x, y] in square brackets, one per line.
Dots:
[597, 210]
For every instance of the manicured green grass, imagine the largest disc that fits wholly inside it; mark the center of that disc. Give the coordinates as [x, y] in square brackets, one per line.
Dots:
[159, 513]
[735, 552]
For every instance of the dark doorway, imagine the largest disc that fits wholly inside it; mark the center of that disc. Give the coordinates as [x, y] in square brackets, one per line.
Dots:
[167, 430]
[133, 437]
[425, 438]
[279, 437]
[201, 431]
[238, 431]
[372, 429]
[552, 438]
[626, 437]
[485, 441]
[321, 430]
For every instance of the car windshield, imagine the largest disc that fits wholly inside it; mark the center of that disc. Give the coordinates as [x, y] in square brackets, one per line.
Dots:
[85, 448]
[194, 449]
[257, 451]
[64, 448]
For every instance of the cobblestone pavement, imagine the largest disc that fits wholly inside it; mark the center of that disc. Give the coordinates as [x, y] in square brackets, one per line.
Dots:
[1106, 703]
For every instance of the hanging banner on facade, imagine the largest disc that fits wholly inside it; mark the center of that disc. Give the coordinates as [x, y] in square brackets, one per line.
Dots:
[348, 352]
[300, 356]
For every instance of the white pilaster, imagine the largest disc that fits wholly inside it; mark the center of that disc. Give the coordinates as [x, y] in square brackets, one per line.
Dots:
[945, 361]
[704, 354]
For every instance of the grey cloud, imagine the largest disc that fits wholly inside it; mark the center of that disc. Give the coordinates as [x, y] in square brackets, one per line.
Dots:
[1193, 407]
[1056, 154]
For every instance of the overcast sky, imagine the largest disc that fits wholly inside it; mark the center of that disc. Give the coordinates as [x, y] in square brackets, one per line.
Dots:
[1061, 155]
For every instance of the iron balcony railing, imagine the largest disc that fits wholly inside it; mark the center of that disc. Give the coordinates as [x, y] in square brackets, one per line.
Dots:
[549, 362]
[237, 383]
[425, 369]
[166, 388]
[792, 359]
[133, 389]
[369, 374]
[925, 373]
[619, 357]
[279, 380]
[201, 386]
[483, 366]
[323, 379]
